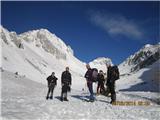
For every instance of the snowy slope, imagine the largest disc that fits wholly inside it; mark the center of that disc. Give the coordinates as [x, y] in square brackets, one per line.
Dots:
[146, 56]
[24, 99]
[37, 53]
[146, 79]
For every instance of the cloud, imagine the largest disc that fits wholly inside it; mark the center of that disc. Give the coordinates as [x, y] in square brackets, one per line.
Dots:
[115, 24]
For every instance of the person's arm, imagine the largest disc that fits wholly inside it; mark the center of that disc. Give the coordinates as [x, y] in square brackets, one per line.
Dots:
[70, 79]
[56, 80]
[62, 78]
[48, 80]
[108, 74]
[86, 75]
[103, 78]
[98, 77]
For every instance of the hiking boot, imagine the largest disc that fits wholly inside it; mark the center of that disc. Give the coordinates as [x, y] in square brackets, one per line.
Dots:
[47, 98]
[112, 102]
[65, 99]
[61, 99]
[97, 94]
[91, 100]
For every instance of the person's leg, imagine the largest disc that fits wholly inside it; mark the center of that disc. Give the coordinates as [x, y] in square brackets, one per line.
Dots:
[102, 88]
[62, 93]
[65, 92]
[51, 97]
[65, 96]
[98, 86]
[108, 89]
[90, 86]
[113, 93]
[48, 93]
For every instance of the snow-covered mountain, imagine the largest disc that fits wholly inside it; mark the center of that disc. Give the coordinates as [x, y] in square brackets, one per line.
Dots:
[37, 53]
[146, 56]
[140, 72]
[100, 63]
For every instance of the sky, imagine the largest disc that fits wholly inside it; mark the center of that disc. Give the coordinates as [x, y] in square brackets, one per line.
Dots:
[93, 29]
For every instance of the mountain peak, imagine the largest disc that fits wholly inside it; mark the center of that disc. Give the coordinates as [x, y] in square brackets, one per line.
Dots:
[45, 32]
[41, 31]
[146, 56]
[101, 60]
[147, 46]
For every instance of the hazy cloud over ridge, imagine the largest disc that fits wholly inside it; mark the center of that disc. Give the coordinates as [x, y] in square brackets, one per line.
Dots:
[115, 24]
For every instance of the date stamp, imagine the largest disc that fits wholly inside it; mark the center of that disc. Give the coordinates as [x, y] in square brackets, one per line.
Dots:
[132, 103]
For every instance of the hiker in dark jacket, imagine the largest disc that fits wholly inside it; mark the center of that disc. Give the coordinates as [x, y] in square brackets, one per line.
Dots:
[66, 81]
[89, 81]
[101, 80]
[111, 82]
[52, 82]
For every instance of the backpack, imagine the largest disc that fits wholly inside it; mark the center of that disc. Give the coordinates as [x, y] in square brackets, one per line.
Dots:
[94, 75]
[115, 72]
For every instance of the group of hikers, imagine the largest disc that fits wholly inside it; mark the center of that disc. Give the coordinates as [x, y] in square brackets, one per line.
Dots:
[92, 75]
[66, 81]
